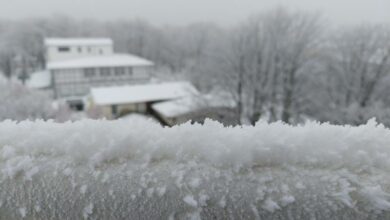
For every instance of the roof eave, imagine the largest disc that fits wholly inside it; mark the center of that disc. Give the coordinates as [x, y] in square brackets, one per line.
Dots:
[97, 66]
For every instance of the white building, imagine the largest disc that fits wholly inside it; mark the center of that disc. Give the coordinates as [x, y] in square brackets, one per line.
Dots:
[76, 65]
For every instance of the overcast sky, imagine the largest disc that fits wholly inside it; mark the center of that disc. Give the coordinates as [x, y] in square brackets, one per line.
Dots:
[180, 12]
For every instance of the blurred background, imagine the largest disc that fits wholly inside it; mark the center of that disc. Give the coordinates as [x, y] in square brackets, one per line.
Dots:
[175, 61]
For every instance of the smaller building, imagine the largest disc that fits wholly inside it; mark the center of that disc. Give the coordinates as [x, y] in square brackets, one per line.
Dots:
[118, 101]
[197, 109]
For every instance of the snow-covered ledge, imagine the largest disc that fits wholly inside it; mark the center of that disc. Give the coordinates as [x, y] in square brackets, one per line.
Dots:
[139, 170]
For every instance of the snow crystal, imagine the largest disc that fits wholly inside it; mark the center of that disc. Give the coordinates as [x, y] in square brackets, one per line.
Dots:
[193, 216]
[377, 196]
[83, 189]
[37, 208]
[255, 212]
[287, 200]
[105, 178]
[203, 199]
[195, 182]
[17, 165]
[300, 185]
[7, 152]
[222, 202]
[270, 205]
[22, 212]
[30, 173]
[88, 210]
[189, 199]
[149, 192]
[161, 191]
[68, 171]
[111, 192]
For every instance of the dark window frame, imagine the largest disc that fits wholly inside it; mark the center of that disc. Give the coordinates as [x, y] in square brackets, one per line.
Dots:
[89, 72]
[105, 71]
[119, 71]
[130, 70]
[63, 49]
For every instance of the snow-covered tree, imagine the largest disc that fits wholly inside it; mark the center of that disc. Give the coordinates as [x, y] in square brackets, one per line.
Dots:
[268, 63]
[355, 78]
[19, 103]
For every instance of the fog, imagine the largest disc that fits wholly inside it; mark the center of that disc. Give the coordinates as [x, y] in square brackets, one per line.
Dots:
[182, 12]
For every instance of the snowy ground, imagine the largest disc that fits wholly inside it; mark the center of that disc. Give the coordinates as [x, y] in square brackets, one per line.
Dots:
[139, 170]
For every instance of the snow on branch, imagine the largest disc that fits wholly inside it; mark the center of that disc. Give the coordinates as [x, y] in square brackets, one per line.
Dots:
[140, 170]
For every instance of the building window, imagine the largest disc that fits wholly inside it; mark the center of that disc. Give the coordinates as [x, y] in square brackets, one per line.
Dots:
[119, 71]
[76, 105]
[130, 70]
[80, 49]
[105, 71]
[89, 72]
[114, 110]
[63, 49]
[100, 51]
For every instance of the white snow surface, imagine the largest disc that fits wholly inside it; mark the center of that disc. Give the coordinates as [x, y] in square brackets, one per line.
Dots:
[140, 170]
[114, 60]
[142, 93]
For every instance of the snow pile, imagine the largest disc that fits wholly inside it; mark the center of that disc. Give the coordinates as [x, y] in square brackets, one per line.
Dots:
[140, 170]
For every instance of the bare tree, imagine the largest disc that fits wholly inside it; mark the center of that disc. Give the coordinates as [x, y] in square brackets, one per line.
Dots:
[6, 62]
[358, 67]
[268, 56]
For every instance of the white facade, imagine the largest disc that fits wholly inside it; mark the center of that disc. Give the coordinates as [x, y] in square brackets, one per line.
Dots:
[58, 49]
[76, 82]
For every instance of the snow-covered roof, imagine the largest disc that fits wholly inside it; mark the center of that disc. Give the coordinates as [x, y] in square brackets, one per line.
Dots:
[101, 61]
[77, 41]
[142, 93]
[175, 107]
[191, 104]
[39, 80]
